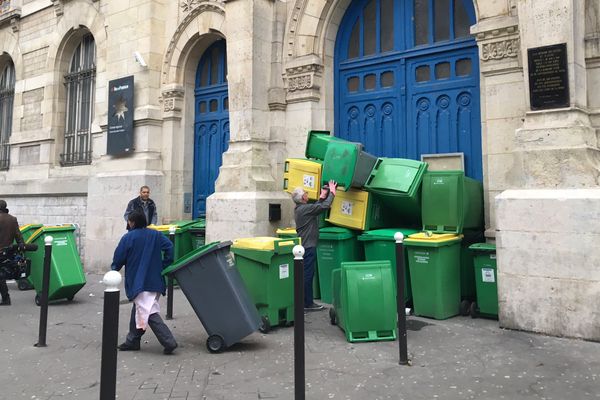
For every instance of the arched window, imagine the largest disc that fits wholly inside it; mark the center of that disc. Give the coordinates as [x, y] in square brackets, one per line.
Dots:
[7, 94]
[80, 84]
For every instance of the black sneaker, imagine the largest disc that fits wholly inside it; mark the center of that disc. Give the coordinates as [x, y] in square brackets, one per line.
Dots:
[5, 302]
[169, 350]
[126, 346]
[314, 307]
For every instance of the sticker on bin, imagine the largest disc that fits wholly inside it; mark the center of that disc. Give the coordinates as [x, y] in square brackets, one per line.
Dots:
[60, 241]
[422, 257]
[284, 271]
[487, 275]
[309, 181]
[492, 256]
[230, 261]
[347, 207]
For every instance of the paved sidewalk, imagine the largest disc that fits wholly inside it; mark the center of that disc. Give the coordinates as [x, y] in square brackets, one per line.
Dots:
[460, 358]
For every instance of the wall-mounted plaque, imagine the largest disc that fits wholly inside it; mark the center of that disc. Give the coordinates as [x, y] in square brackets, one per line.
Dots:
[120, 116]
[548, 77]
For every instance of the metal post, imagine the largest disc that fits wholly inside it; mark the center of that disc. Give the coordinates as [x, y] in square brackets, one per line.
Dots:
[110, 331]
[299, 367]
[45, 287]
[400, 278]
[169, 315]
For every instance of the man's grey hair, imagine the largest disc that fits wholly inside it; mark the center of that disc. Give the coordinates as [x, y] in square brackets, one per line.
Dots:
[297, 195]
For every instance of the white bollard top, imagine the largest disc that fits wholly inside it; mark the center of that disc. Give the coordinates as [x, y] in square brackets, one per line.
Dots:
[399, 237]
[48, 240]
[172, 229]
[112, 280]
[298, 252]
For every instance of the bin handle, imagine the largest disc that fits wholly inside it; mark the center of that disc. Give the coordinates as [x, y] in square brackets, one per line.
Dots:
[280, 244]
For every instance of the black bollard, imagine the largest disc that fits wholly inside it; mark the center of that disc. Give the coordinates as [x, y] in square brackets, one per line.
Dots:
[299, 378]
[400, 278]
[45, 288]
[169, 314]
[110, 332]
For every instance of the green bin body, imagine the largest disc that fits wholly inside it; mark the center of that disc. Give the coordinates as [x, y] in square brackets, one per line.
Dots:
[198, 234]
[291, 233]
[317, 142]
[486, 282]
[269, 278]
[380, 244]
[365, 301]
[182, 243]
[467, 274]
[451, 202]
[212, 284]
[347, 164]
[66, 271]
[397, 182]
[435, 275]
[335, 246]
[27, 231]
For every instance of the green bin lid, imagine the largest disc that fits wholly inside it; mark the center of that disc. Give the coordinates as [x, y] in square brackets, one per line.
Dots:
[483, 247]
[198, 225]
[385, 234]
[194, 255]
[398, 176]
[28, 227]
[336, 233]
[47, 229]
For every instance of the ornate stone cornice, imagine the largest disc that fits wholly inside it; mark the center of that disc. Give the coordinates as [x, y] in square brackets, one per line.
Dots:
[172, 101]
[499, 45]
[303, 82]
[508, 48]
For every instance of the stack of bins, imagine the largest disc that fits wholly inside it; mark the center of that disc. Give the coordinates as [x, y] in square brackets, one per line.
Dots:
[291, 233]
[360, 210]
[347, 164]
[66, 271]
[380, 244]
[434, 262]
[486, 285]
[335, 246]
[364, 304]
[26, 232]
[397, 182]
[266, 265]
[214, 288]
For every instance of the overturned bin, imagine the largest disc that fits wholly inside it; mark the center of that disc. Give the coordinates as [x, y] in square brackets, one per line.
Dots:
[212, 284]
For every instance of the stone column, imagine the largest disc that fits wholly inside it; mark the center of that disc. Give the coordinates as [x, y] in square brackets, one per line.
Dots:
[246, 186]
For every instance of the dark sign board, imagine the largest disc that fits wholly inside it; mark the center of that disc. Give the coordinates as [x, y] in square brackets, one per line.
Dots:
[548, 77]
[120, 116]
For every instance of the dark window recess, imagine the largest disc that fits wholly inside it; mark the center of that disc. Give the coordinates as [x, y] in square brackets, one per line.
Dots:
[442, 70]
[370, 82]
[387, 79]
[442, 20]
[213, 106]
[386, 30]
[354, 44]
[421, 22]
[369, 31]
[463, 67]
[353, 84]
[423, 73]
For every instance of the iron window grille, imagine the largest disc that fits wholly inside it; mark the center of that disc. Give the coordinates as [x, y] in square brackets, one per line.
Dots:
[7, 94]
[80, 83]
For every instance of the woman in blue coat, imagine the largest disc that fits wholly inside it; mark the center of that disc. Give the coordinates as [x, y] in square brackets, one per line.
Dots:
[144, 253]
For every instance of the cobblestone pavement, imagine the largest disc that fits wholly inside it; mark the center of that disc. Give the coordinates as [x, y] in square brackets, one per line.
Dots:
[459, 358]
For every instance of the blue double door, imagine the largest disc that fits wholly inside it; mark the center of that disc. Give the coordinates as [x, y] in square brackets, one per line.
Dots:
[407, 79]
[211, 126]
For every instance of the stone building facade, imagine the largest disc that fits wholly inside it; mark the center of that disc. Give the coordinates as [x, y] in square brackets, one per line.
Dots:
[275, 69]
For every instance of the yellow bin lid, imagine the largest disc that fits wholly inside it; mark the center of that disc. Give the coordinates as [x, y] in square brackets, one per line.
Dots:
[433, 239]
[256, 243]
[162, 228]
[286, 231]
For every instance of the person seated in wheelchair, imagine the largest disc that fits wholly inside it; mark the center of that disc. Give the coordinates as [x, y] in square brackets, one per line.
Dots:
[13, 263]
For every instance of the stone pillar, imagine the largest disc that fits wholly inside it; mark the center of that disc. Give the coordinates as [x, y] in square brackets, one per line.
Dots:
[246, 186]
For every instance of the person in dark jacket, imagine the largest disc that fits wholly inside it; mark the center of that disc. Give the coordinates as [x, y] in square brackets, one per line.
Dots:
[144, 253]
[306, 216]
[9, 232]
[144, 204]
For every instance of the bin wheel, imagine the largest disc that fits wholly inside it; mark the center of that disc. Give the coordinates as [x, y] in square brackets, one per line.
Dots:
[265, 324]
[465, 307]
[332, 316]
[473, 310]
[70, 298]
[23, 284]
[38, 301]
[215, 343]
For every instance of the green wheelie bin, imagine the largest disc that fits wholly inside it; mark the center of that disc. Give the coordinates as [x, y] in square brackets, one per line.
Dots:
[434, 263]
[182, 243]
[364, 301]
[291, 233]
[66, 272]
[26, 232]
[486, 280]
[266, 265]
[380, 244]
[335, 245]
[467, 274]
[198, 233]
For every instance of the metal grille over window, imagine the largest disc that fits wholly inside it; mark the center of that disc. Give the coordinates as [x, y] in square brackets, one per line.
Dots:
[80, 85]
[7, 94]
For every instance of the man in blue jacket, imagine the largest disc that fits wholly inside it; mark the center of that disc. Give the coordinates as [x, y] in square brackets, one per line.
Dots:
[141, 252]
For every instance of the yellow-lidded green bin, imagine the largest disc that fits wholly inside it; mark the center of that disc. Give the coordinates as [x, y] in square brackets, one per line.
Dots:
[434, 263]
[266, 265]
[291, 233]
[182, 243]
[66, 271]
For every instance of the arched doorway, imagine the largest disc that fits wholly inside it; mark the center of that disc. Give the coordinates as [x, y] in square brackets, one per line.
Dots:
[407, 79]
[211, 125]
